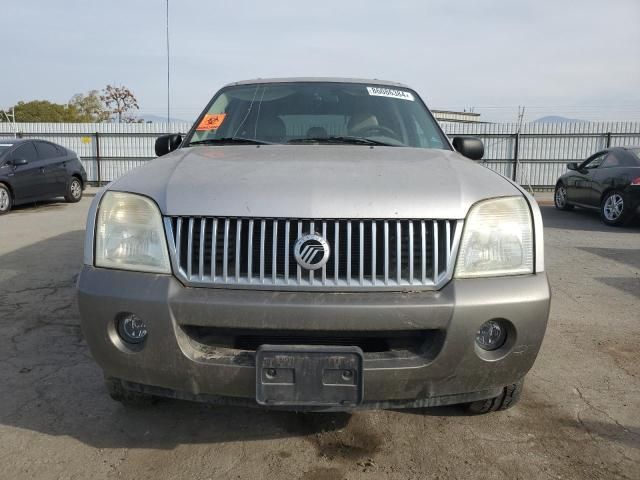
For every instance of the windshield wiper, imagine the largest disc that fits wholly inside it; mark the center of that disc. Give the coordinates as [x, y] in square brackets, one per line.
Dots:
[229, 140]
[342, 139]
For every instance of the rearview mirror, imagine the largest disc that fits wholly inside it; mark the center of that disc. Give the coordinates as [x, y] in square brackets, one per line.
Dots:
[572, 166]
[470, 147]
[167, 143]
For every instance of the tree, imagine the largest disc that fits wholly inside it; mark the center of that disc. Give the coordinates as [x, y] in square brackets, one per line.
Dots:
[119, 102]
[90, 107]
[45, 111]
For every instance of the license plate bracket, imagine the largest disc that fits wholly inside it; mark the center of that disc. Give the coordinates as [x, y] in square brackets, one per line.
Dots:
[309, 376]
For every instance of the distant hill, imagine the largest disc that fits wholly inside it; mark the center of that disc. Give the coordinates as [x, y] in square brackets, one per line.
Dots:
[558, 119]
[159, 119]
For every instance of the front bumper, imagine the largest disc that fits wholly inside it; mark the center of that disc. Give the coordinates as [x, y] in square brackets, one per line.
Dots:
[451, 370]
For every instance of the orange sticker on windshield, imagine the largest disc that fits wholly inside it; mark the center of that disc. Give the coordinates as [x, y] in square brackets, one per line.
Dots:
[211, 121]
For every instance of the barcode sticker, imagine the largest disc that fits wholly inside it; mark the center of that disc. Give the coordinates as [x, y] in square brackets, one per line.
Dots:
[389, 92]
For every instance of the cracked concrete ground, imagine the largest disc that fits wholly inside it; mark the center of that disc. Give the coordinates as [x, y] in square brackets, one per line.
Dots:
[579, 416]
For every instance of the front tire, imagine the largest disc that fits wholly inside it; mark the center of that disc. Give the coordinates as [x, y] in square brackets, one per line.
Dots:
[508, 398]
[6, 201]
[613, 209]
[74, 190]
[560, 198]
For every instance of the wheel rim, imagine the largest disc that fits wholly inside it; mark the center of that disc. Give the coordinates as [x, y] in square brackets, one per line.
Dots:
[4, 199]
[561, 196]
[613, 207]
[75, 189]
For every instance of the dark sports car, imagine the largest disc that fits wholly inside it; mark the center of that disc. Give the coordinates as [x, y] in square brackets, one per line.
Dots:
[608, 181]
[33, 170]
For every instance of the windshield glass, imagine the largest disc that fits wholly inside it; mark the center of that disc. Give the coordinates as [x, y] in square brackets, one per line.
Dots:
[331, 113]
[4, 147]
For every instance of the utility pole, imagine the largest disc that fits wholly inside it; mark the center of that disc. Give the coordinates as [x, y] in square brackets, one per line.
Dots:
[520, 117]
[168, 70]
[525, 178]
[11, 118]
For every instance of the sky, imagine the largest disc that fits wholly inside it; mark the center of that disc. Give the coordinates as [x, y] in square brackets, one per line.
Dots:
[579, 59]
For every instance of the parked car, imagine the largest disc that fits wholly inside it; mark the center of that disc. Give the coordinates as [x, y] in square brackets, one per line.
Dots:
[33, 170]
[315, 244]
[608, 181]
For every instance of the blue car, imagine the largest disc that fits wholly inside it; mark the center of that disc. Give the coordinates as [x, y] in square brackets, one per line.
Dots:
[34, 170]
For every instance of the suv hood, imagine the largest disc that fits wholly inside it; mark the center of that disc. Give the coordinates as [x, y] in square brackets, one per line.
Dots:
[315, 181]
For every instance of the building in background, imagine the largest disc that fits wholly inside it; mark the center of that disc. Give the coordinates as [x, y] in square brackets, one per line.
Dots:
[459, 117]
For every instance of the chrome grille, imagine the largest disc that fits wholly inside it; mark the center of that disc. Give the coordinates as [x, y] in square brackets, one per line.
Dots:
[258, 253]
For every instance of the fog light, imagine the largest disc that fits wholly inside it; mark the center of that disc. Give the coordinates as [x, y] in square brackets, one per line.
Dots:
[491, 335]
[131, 328]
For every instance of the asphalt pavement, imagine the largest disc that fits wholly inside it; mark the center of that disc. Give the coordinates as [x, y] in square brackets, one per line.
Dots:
[579, 416]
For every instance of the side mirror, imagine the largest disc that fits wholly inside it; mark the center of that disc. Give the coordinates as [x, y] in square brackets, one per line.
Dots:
[16, 162]
[167, 143]
[572, 166]
[470, 147]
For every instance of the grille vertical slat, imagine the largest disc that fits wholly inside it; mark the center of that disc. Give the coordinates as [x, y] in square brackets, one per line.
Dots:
[374, 253]
[287, 232]
[299, 269]
[312, 226]
[324, 267]
[250, 252]
[238, 247]
[363, 253]
[348, 253]
[263, 228]
[336, 245]
[178, 241]
[386, 252]
[411, 253]
[448, 238]
[214, 247]
[274, 253]
[398, 252]
[203, 227]
[423, 250]
[436, 271]
[190, 249]
[225, 251]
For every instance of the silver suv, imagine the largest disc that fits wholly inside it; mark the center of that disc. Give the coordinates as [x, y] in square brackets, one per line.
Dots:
[315, 244]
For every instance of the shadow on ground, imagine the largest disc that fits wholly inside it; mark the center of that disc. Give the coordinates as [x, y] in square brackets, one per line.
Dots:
[626, 256]
[629, 257]
[38, 206]
[50, 384]
[630, 285]
[583, 219]
[54, 203]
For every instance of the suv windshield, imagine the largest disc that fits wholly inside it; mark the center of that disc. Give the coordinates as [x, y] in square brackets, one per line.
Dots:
[323, 113]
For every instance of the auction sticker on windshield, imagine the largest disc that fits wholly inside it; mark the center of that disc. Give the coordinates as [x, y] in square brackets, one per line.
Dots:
[211, 121]
[389, 92]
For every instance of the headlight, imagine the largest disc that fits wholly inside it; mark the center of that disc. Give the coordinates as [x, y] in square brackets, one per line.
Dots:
[497, 239]
[130, 235]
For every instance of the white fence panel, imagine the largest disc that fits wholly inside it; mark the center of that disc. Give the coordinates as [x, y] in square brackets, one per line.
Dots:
[108, 150]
